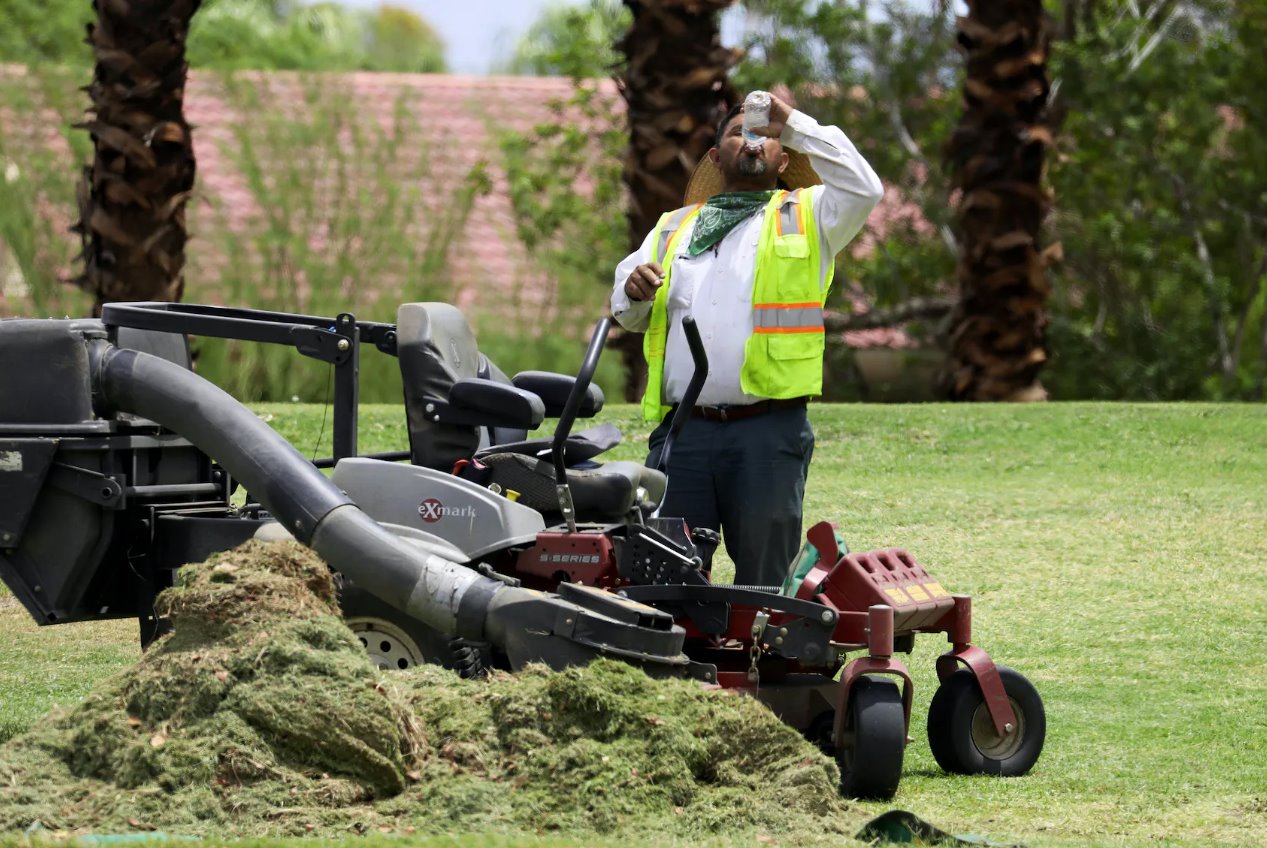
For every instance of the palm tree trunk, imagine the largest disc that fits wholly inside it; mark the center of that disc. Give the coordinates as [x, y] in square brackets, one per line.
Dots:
[997, 345]
[675, 89]
[132, 197]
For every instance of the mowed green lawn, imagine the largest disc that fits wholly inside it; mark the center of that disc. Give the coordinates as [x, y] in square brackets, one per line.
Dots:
[1117, 555]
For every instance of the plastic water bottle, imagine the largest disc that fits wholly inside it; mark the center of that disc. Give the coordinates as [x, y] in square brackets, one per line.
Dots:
[756, 113]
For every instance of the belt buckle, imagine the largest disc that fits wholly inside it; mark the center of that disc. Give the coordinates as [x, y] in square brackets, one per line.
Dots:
[721, 413]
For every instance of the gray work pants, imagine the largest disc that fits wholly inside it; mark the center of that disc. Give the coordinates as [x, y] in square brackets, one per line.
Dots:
[745, 478]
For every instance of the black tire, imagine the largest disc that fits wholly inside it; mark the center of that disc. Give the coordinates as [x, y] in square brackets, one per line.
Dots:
[962, 736]
[820, 732]
[873, 742]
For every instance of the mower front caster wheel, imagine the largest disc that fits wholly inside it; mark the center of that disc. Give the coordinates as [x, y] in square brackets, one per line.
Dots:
[873, 742]
[962, 735]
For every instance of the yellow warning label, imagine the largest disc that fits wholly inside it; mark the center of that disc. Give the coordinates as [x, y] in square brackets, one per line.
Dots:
[897, 596]
[936, 590]
[916, 592]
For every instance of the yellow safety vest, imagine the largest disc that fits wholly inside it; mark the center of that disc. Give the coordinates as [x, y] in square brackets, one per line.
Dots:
[783, 358]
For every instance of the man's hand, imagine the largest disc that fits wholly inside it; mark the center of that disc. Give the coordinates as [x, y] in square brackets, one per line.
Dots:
[779, 113]
[644, 281]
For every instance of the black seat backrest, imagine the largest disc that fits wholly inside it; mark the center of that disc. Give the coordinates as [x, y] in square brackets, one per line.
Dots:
[436, 347]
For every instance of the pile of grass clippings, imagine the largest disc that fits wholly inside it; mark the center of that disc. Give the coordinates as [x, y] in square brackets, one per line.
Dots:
[260, 714]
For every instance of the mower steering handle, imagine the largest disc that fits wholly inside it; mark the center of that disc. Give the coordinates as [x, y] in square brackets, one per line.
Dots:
[699, 357]
[579, 389]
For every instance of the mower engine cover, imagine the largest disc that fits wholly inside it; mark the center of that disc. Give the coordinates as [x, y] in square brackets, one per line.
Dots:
[44, 373]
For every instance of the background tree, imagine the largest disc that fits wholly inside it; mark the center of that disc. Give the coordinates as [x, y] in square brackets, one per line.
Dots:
[676, 87]
[572, 41]
[1158, 181]
[998, 151]
[237, 34]
[1248, 147]
[242, 34]
[400, 40]
[132, 197]
[1155, 298]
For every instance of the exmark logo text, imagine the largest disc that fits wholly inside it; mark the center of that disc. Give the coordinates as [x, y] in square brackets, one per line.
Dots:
[432, 510]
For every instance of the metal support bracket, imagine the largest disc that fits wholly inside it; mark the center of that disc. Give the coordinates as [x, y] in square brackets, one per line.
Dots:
[873, 665]
[89, 485]
[988, 678]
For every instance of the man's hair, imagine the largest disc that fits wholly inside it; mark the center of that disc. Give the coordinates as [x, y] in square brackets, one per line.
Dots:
[725, 122]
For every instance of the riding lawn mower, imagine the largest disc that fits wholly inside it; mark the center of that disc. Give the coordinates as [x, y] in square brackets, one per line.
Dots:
[476, 548]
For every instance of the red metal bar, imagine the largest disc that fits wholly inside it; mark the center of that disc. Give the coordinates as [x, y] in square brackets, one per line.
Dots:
[880, 630]
[958, 622]
[987, 674]
[734, 680]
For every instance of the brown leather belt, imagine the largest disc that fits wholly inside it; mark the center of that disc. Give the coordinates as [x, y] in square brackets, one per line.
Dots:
[738, 413]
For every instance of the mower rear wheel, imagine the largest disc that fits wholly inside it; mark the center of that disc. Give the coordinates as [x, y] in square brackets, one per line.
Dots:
[392, 639]
[873, 742]
[962, 735]
[389, 647]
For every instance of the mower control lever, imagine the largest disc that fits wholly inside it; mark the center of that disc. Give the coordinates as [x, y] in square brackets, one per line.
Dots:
[699, 358]
[580, 391]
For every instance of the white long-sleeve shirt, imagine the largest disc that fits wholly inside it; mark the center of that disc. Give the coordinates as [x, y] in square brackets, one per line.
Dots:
[715, 288]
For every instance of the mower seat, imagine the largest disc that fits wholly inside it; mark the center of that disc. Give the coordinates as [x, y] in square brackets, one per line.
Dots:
[459, 405]
[601, 492]
[437, 350]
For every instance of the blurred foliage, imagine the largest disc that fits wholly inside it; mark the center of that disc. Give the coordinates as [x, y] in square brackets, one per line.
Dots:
[1158, 176]
[336, 214]
[572, 41]
[574, 230]
[37, 31]
[402, 41]
[236, 34]
[1161, 201]
[240, 34]
[37, 184]
[334, 224]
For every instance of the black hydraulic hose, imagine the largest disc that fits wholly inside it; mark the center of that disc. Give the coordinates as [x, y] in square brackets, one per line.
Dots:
[295, 492]
[446, 595]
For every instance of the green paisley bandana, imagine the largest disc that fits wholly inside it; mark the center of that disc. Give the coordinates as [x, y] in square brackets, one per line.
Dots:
[721, 214]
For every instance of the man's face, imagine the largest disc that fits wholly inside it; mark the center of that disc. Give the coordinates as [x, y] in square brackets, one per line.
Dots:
[744, 169]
